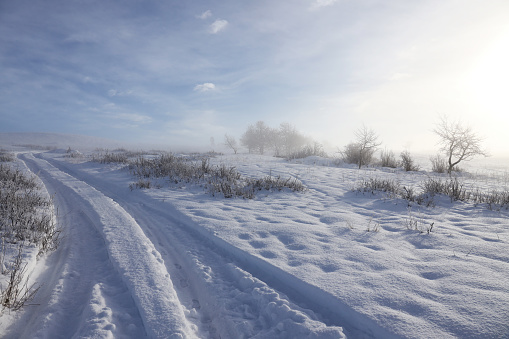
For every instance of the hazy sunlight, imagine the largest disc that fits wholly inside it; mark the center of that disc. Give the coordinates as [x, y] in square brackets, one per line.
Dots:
[490, 80]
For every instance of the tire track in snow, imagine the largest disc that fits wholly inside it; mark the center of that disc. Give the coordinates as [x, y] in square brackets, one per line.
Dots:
[333, 311]
[238, 305]
[131, 252]
[76, 276]
[221, 299]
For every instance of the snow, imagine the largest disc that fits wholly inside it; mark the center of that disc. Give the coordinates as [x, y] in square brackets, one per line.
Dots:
[325, 263]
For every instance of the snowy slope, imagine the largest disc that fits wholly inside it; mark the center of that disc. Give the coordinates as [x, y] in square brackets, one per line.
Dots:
[284, 265]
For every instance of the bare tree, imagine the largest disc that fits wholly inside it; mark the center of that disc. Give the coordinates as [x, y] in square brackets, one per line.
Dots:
[231, 142]
[367, 143]
[459, 142]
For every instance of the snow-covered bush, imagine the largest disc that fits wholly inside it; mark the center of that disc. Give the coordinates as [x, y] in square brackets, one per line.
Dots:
[25, 214]
[434, 186]
[388, 159]
[315, 149]
[26, 218]
[216, 179]
[451, 187]
[16, 293]
[494, 200]
[407, 162]
[374, 185]
[438, 164]
[6, 156]
[111, 157]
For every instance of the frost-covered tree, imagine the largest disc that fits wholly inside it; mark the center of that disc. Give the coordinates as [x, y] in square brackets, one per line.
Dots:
[458, 142]
[284, 140]
[256, 138]
[362, 150]
[292, 140]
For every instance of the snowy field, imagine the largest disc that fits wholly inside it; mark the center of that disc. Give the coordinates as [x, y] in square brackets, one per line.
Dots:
[329, 262]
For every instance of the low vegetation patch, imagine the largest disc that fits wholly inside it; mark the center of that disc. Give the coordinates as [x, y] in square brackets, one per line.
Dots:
[111, 157]
[309, 150]
[216, 179]
[26, 220]
[433, 186]
[6, 156]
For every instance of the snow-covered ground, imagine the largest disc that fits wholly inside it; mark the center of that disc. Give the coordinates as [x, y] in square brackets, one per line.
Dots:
[175, 262]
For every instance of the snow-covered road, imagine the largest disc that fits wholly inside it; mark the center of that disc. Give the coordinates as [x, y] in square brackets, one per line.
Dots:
[131, 267]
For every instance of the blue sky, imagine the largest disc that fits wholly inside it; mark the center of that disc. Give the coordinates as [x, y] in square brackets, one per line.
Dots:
[181, 72]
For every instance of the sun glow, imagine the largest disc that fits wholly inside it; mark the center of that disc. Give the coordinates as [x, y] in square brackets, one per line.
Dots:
[490, 80]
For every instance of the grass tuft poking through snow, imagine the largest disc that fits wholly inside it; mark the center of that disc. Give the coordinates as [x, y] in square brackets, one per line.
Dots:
[216, 179]
[453, 188]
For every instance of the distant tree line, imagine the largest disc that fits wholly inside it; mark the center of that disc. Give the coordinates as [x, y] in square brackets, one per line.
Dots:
[283, 141]
[458, 143]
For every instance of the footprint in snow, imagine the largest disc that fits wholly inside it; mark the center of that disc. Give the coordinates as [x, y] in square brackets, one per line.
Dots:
[296, 247]
[268, 254]
[244, 236]
[257, 244]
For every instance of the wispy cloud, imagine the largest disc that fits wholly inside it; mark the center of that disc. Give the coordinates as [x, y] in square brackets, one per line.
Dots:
[131, 119]
[205, 15]
[322, 3]
[206, 87]
[217, 26]
[158, 58]
[117, 93]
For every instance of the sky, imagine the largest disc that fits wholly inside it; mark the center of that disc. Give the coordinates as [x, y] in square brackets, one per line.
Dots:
[182, 72]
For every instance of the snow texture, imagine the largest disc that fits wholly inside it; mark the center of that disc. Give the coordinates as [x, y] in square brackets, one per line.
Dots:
[176, 262]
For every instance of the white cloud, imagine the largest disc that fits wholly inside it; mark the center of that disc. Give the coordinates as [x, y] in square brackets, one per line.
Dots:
[208, 86]
[205, 15]
[322, 3]
[218, 26]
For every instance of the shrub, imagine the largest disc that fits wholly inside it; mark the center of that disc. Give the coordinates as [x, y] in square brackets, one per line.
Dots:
[451, 187]
[373, 185]
[431, 187]
[494, 200]
[353, 154]
[219, 179]
[407, 162]
[309, 150]
[26, 217]
[6, 156]
[17, 293]
[387, 159]
[106, 158]
[438, 164]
